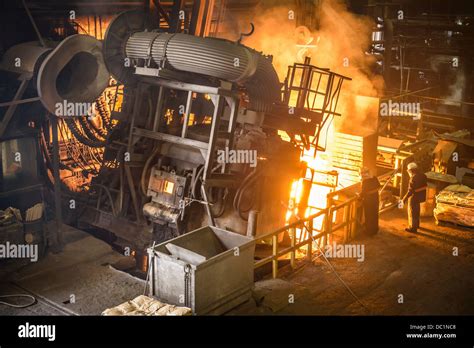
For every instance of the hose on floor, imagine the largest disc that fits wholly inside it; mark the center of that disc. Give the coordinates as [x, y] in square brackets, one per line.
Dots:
[337, 274]
[33, 300]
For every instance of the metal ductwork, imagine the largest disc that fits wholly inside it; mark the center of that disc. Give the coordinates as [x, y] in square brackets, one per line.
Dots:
[25, 58]
[212, 57]
[73, 70]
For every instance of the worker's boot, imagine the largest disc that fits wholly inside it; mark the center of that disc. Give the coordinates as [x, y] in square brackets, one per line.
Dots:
[411, 230]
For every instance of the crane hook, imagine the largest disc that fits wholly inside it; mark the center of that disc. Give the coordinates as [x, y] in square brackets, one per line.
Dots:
[242, 35]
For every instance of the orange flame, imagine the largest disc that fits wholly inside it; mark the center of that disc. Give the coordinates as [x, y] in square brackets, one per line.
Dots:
[339, 44]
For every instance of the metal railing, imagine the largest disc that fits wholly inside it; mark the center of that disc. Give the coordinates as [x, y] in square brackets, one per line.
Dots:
[349, 224]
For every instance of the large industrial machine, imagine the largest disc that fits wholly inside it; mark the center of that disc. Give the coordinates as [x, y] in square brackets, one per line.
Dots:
[190, 104]
[185, 133]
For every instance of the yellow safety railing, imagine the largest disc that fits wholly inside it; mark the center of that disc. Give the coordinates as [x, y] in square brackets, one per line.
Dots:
[349, 224]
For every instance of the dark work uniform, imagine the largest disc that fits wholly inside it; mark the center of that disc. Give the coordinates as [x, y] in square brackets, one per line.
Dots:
[416, 194]
[370, 204]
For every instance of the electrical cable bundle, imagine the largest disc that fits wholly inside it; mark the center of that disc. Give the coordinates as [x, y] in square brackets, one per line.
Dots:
[247, 183]
[83, 133]
[104, 112]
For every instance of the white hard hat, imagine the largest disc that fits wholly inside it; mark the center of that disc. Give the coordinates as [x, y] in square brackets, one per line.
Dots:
[412, 165]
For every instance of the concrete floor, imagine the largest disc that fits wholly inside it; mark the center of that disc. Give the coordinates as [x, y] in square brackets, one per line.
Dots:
[421, 267]
[83, 269]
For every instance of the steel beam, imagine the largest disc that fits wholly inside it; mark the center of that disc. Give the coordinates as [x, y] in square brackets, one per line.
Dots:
[170, 138]
[11, 109]
[57, 181]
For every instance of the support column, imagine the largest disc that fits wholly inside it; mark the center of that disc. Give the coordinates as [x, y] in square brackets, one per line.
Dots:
[57, 181]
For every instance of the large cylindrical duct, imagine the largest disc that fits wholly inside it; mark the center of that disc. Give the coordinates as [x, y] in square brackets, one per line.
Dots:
[212, 57]
[25, 58]
[72, 70]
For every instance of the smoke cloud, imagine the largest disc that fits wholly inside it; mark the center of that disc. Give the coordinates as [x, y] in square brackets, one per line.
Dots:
[340, 43]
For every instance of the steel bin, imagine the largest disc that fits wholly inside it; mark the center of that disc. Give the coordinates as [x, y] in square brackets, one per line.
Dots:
[209, 270]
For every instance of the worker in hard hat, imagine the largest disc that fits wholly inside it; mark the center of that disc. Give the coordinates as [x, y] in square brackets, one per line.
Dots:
[369, 197]
[416, 194]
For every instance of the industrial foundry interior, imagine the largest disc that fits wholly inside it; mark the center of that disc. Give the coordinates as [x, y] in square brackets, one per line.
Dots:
[236, 157]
